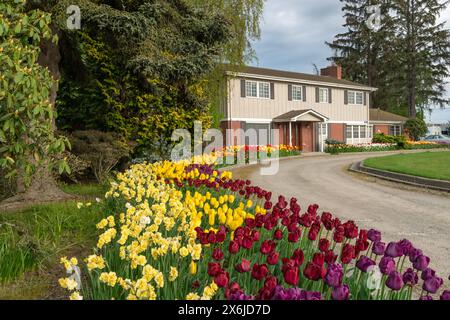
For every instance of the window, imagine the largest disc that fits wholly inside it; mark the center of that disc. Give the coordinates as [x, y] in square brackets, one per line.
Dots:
[296, 93]
[323, 95]
[355, 97]
[349, 131]
[358, 132]
[251, 89]
[395, 130]
[254, 89]
[370, 132]
[264, 90]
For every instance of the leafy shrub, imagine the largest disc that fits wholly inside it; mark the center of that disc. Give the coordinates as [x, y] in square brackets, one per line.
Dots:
[77, 167]
[416, 128]
[332, 142]
[7, 186]
[382, 138]
[103, 151]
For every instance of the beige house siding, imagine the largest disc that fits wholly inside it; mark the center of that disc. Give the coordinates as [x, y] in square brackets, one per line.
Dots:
[256, 108]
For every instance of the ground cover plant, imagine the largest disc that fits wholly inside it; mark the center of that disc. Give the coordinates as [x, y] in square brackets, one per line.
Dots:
[188, 231]
[336, 148]
[434, 165]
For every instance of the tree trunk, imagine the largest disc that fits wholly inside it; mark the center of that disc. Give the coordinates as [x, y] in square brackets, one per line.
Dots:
[43, 187]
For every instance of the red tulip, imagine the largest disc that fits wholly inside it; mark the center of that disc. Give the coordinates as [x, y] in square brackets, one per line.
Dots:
[324, 244]
[247, 243]
[314, 271]
[259, 272]
[348, 253]
[214, 269]
[233, 248]
[272, 258]
[330, 257]
[319, 259]
[217, 254]
[243, 267]
[222, 279]
[278, 234]
[298, 256]
[291, 276]
[267, 247]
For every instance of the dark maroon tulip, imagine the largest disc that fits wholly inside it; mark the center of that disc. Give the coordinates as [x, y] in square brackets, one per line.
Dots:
[217, 254]
[421, 262]
[426, 298]
[410, 277]
[379, 248]
[445, 295]
[427, 273]
[334, 275]
[414, 253]
[432, 285]
[374, 235]
[406, 246]
[395, 281]
[387, 265]
[364, 263]
[394, 250]
[341, 293]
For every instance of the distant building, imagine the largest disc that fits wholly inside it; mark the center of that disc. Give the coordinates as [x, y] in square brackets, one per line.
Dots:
[438, 128]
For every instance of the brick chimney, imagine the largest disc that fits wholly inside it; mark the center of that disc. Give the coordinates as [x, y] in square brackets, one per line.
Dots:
[334, 71]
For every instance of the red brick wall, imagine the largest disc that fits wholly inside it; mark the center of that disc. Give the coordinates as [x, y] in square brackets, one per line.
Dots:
[337, 132]
[231, 125]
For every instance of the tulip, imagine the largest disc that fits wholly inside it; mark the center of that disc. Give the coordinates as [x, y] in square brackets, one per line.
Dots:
[394, 281]
[364, 263]
[348, 253]
[330, 257]
[406, 246]
[334, 275]
[432, 285]
[374, 235]
[394, 250]
[259, 272]
[414, 253]
[421, 262]
[278, 234]
[272, 258]
[445, 295]
[214, 269]
[291, 276]
[217, 254]
[341, 293]
[267, 247]
[233, 248]
[243, 267]
[221, 279]
[427, 273]
[314, 271]
[378, 248]
[324, 245]
[298, 256]
[410, 277]
[426, 298]
[387, 265]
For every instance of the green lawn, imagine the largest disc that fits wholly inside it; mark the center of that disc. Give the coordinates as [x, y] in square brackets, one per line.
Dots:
[434, 165]
[33, 240]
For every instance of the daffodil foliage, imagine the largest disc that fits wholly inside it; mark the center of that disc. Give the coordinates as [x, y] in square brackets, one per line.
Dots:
[26, 113]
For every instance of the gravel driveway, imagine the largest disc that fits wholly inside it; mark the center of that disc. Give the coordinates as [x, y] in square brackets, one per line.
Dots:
[398, 211]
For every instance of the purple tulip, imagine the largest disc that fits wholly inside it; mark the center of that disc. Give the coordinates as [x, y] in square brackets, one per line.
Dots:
[281, 293]
[406, 246]
[379, 248]
[374, 235]
[445, 295]
[394, 250]
[334, 275]
[310, 296]
[427, 273]
[364, 263]
[387, 265]
[239, 296]
[421, 262]
[414, 253]
[426, 298]
[432, 284]
[395, 281]
[341, 293]
[410, 277]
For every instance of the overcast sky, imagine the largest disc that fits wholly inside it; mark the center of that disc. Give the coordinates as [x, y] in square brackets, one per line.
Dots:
[294, 34]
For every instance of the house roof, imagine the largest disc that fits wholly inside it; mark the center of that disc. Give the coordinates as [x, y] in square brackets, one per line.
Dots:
[298, 76]
[294, 115]
[378, 115]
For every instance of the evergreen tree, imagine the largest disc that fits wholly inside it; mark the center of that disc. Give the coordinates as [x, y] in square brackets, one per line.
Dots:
[422, 53]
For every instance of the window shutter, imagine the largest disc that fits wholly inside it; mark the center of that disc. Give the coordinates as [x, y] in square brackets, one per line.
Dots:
[365, 98]
[346, 97]
[290, 92]
[317, 94]
[330, 95]
[304, 93]
[243, 95]
[272, 91]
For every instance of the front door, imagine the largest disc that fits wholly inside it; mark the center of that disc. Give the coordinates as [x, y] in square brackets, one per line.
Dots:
[307, 136]
[323, 135]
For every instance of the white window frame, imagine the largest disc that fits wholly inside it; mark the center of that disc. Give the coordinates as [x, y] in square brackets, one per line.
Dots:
[300, 90]
[268, 90]
[247, 89]
[397, 130]
[351, 95]
[259, 85]
[325, 95]
[359, 133]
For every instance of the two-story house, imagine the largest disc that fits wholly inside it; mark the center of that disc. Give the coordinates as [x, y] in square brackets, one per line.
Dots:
[307, 109]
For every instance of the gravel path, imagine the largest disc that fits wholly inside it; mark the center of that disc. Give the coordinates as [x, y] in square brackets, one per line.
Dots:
[398, 211]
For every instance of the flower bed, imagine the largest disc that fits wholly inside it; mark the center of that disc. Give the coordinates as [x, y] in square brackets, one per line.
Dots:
[374, 147]
[188, 231]
[253, 153]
